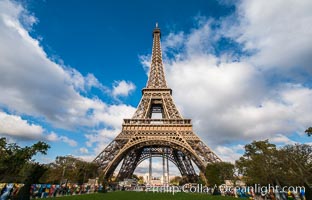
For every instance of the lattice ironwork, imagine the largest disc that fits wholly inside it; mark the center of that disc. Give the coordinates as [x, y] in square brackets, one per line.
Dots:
[157, 75]
[136, 156]
[143, 137]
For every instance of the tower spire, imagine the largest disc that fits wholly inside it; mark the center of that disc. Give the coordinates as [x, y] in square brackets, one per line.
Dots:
[156, 79]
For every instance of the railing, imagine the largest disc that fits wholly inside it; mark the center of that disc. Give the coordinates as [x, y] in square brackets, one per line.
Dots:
[157, 121]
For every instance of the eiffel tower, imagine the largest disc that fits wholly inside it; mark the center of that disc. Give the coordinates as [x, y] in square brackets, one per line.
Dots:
[156, 129]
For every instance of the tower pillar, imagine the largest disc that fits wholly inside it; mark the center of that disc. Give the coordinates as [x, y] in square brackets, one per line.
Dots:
[150, 170]
[168, 179]
[164, 168]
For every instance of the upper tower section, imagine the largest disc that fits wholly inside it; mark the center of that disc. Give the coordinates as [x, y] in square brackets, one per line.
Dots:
[156, 79]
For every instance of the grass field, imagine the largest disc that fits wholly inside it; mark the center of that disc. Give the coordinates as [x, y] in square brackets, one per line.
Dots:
[122, 195]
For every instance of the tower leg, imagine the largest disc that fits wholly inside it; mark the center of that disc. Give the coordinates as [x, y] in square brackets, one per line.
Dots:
[168, 181]
[164, 169]
[150, 170]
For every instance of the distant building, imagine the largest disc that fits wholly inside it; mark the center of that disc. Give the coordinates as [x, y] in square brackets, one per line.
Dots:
[128, 182]
[94, 181]
[230, 183]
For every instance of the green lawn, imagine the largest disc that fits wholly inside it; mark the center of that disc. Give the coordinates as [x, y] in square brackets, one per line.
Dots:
[122, 195]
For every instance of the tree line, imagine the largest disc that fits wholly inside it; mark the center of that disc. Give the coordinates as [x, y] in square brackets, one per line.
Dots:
[17, 165]
[263, 163]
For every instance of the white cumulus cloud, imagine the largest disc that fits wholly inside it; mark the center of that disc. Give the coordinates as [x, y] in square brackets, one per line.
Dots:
[279, 31]
[16, 127]
[122, 88]
[53, 137]
[83, 150]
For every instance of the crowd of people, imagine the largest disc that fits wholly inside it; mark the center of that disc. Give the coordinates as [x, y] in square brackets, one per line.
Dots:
[11, 190]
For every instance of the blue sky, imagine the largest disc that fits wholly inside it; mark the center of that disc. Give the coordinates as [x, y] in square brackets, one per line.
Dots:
[70, 71]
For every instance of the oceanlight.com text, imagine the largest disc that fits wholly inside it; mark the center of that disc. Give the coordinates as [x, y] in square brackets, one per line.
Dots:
[199, 188]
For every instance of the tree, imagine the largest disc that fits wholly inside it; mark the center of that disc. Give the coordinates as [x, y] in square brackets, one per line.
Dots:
[14, 158]
[70, 168]
[217, 173]
[176, 180]
[140, 180]
[33, 173]
[263, 164]
[258, 165]
[309, 131]
[135, 176]
[297, 161]
[297, 166]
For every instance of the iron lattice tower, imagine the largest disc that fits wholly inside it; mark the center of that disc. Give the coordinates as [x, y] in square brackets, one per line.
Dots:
[144, 136]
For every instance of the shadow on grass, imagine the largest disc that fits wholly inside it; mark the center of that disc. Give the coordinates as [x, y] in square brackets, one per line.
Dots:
[122, 195]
